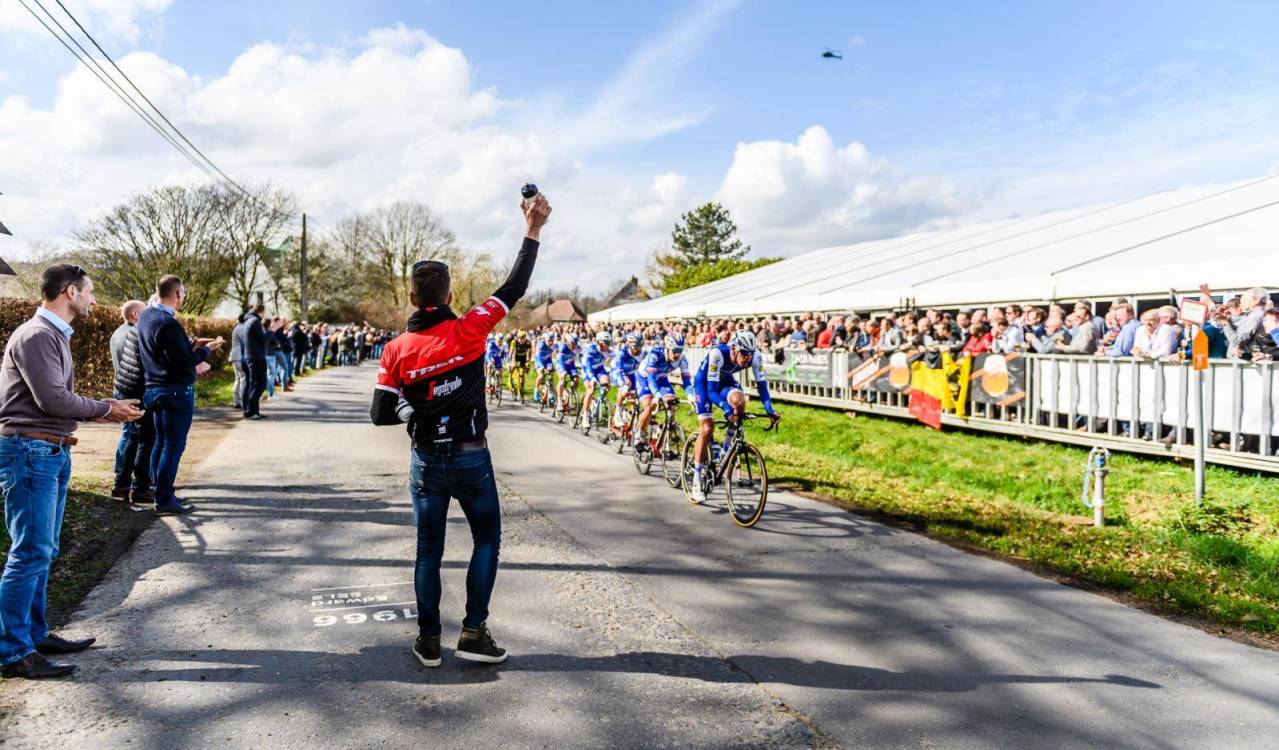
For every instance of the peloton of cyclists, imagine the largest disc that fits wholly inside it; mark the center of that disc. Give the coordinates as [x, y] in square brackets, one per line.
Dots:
[716, 385]
[655, 383]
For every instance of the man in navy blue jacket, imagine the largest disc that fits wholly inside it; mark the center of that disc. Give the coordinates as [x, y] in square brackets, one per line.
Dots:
[171, 362]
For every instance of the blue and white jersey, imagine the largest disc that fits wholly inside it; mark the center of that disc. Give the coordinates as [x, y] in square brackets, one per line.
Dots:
[625, 362]
[716, 375]
[596, 360]
[657, 368]
[493, 353]
[543, 351]
[566, 357]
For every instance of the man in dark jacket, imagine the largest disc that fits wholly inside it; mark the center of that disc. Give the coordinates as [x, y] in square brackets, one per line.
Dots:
[255, 345]
[433, 378]
[301, 345]
[133, 453]
[171, 362]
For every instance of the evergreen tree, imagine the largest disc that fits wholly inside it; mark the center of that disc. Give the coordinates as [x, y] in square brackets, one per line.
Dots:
[705, 235]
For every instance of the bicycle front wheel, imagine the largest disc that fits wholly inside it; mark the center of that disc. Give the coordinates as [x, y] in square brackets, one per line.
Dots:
[686, 478]
[746, 485]
[642, 453]
[670, 454]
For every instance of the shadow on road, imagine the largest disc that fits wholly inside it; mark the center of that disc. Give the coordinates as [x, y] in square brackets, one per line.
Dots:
[389, 663]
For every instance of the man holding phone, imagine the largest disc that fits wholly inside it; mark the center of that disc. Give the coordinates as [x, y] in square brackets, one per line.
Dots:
[39, 410]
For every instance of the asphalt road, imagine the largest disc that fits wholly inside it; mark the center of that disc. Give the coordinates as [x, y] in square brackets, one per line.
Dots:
[281, 615]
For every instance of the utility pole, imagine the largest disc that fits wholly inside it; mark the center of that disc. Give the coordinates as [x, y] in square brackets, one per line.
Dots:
[304, 279]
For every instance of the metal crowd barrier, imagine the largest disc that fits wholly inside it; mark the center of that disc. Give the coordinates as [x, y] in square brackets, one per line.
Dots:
[1128, 404]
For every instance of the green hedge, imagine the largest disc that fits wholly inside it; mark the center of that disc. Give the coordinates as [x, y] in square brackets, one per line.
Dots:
[90, 346]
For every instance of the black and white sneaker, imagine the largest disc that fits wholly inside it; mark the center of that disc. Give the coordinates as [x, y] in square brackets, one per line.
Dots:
[476, 644]
[427, 650]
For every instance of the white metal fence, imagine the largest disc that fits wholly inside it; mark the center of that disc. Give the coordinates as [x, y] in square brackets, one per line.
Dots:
[1125, 404]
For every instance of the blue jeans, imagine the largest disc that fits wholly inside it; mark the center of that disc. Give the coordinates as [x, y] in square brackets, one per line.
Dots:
[285, 362]
[33, 476]
[172, 407]
[133, 454]
[432, 481]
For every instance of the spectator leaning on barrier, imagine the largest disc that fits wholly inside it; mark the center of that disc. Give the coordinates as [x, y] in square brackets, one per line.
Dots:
[171, 361]
[1127, 325]
[137, 438]
[1267, 346]
[39, 410]
[1252, 306]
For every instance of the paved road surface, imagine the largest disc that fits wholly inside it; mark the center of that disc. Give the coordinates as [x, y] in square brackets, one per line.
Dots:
[281, 616]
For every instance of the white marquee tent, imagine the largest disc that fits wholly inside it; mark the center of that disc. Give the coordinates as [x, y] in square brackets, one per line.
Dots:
[1224, 235]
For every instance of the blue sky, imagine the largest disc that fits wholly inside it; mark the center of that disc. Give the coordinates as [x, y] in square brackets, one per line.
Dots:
[940, 112]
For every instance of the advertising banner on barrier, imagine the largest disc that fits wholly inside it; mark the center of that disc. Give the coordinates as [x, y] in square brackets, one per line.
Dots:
[998, 379]
[889, 374]
[799, 367]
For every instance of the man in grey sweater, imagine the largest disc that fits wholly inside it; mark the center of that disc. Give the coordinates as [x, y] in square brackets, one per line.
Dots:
[39, 409]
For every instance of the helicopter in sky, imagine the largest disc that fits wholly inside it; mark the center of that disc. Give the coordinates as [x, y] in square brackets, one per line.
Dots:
[830, 54]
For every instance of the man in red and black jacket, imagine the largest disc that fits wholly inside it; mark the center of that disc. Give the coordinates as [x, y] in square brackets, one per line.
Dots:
[432, 377]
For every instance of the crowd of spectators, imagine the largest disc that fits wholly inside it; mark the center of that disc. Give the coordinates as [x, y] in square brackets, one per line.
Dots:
[290, 348]
[1243, 327]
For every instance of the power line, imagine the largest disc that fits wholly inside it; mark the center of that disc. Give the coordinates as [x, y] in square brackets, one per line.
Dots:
[93, 66]
[125, 76]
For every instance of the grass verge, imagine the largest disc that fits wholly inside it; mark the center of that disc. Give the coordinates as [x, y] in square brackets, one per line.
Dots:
[1020, 500]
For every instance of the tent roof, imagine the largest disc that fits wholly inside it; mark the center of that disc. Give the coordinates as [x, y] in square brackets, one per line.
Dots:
[1223, 235]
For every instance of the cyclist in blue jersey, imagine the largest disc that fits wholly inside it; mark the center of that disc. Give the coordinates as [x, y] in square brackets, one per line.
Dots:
[493, 354]
[595, 363]
[625, 364]
[565, 367]
[716, 385]
[543, 362]
[664, 358]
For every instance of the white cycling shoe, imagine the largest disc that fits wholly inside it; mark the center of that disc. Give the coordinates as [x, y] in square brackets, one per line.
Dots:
[696, 494]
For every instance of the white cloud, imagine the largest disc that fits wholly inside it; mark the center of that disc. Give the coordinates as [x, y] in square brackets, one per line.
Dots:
[790, 197]
[105, 19]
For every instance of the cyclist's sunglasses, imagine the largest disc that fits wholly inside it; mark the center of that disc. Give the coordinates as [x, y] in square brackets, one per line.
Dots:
[434, 265]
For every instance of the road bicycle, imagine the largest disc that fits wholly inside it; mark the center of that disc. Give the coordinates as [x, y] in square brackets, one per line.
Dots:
[572, 404]
[662, 444]
[621, 429]
[600, 412]
[518, 375]
[739, 467]
[494, 386]
[545, 396]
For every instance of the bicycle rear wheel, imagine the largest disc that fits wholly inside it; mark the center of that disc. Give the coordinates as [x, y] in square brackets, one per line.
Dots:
[686, 468]
[671, 455]
[604, 427]
[746, 485]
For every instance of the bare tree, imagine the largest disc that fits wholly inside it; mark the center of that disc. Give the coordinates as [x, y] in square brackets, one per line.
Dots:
[246, 224]
[394, 237]
[165, 230]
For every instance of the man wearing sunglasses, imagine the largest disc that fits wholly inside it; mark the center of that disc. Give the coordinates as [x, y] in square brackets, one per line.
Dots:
[39, 410]
[432, 377]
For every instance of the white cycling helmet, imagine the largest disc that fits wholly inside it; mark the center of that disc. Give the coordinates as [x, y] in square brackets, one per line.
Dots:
[673, 343]
[744, 342]
[603, 337]
[633, 339]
